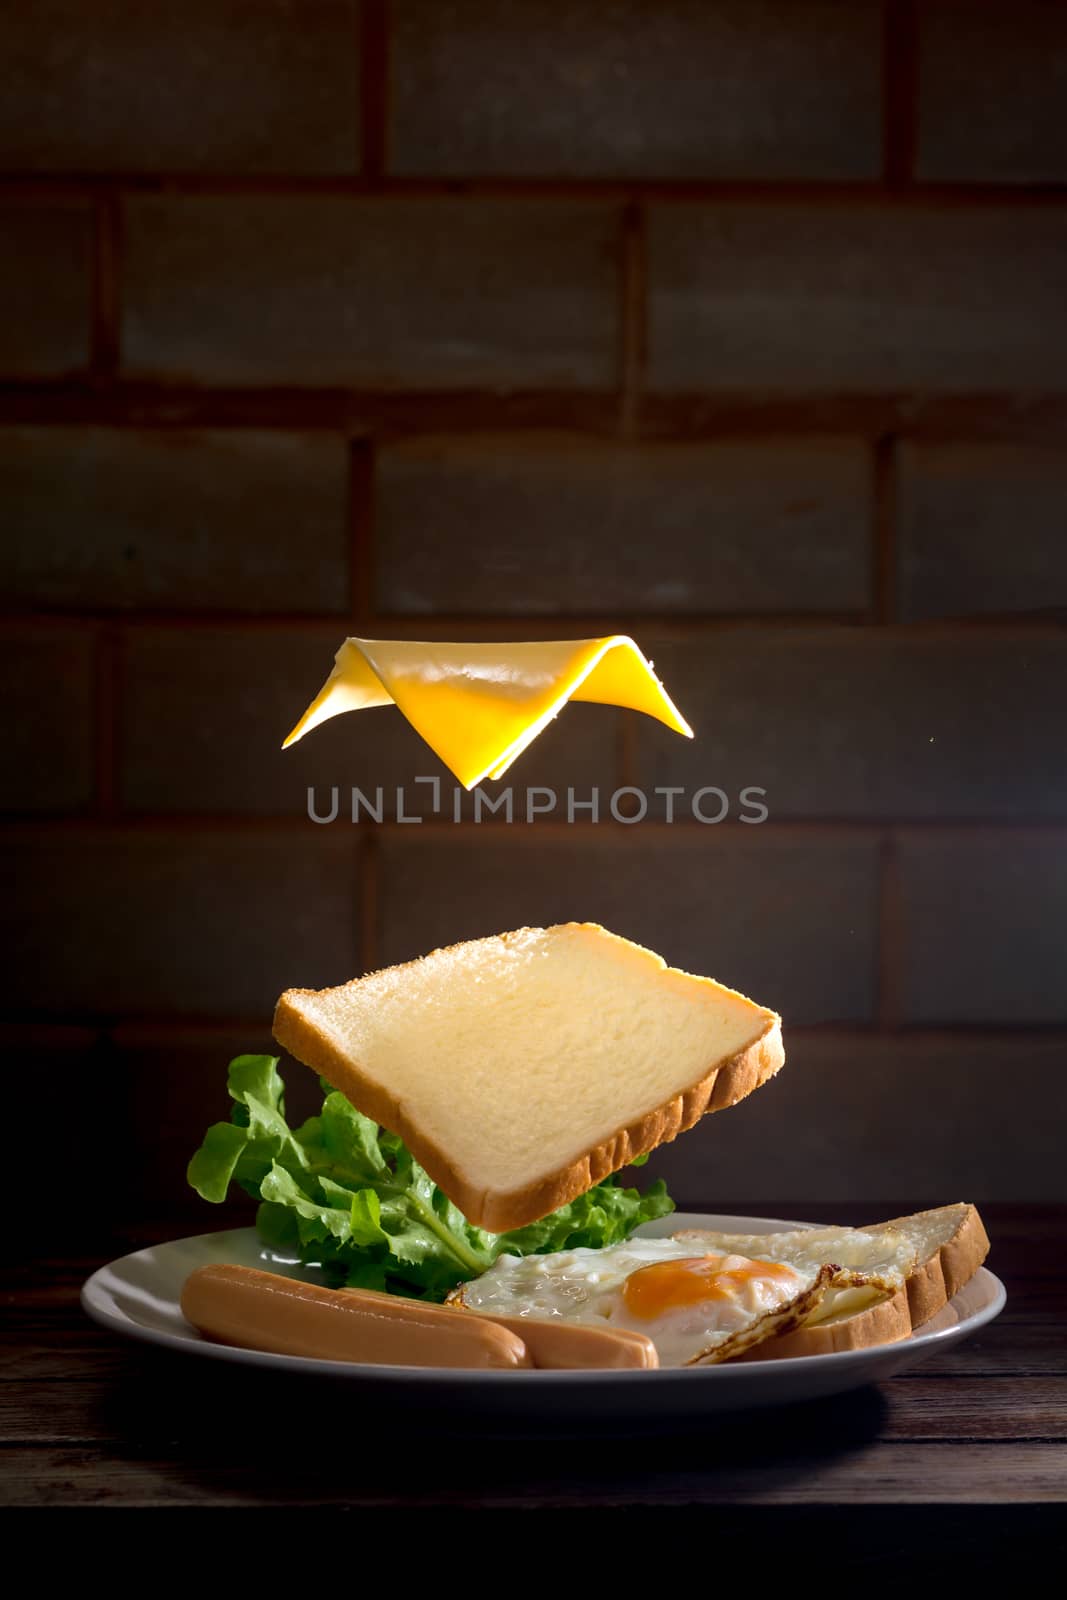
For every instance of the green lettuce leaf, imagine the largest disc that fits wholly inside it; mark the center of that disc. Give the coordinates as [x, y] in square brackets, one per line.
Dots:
[344, 1194]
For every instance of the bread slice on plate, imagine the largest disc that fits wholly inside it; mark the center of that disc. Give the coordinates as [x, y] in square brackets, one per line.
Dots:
[952, 1244]
[523, 1068]
[893, 1276]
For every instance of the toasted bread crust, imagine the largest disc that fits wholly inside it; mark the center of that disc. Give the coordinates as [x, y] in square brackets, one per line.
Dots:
[955, 1264]
[930, 1287]
[884, 1323]
[723, 1085]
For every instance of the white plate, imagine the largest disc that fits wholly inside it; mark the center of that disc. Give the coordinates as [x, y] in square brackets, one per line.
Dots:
[138, 1296]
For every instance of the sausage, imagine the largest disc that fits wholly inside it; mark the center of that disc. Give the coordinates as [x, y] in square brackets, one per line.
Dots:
[553, 1343]
[264, 1311]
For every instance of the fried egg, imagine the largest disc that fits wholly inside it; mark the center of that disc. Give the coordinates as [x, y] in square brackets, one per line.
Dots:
[695, 1304]
[885, 1257]
[866, 1266]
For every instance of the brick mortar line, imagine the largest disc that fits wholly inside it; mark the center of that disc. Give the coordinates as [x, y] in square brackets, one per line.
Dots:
[785, 831]
[626, 765]
[355, 413]
[900, 45]
[361, 531]
[886, 505]
[106, 312]
[842, 628]
[544, 829]
[108, 674]
[890, 938]
[633, 318]
[368, 876]
[662, 191]
[374, 30]
[668, 418]
[680, 416]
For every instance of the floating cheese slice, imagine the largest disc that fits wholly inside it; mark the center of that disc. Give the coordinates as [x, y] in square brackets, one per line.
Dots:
[479, 705]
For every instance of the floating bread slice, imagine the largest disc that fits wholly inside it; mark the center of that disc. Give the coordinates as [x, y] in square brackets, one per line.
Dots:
[523, 1068]
[944, 1249]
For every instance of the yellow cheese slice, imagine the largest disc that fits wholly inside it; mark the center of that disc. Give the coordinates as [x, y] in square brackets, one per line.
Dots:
[479, 705]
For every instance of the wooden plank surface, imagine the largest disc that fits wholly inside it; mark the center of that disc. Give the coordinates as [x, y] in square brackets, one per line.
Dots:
[907, 1475]
[66, 1412]
[87, 1419]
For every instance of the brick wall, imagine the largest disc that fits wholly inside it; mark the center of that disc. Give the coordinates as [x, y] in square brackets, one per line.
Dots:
[740, 327]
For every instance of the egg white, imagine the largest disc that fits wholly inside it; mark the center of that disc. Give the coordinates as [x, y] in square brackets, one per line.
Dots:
[587, 1286]
[884, 1259]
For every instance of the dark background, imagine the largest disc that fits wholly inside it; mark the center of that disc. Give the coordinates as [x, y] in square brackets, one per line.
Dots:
[738, 327]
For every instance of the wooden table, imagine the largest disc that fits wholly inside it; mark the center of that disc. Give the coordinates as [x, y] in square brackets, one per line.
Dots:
[964, 1457]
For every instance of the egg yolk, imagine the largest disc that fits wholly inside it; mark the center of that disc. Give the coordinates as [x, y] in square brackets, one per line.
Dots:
[665, 1285]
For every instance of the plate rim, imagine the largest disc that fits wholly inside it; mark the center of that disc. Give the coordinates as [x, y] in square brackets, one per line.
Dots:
[94, 1301]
